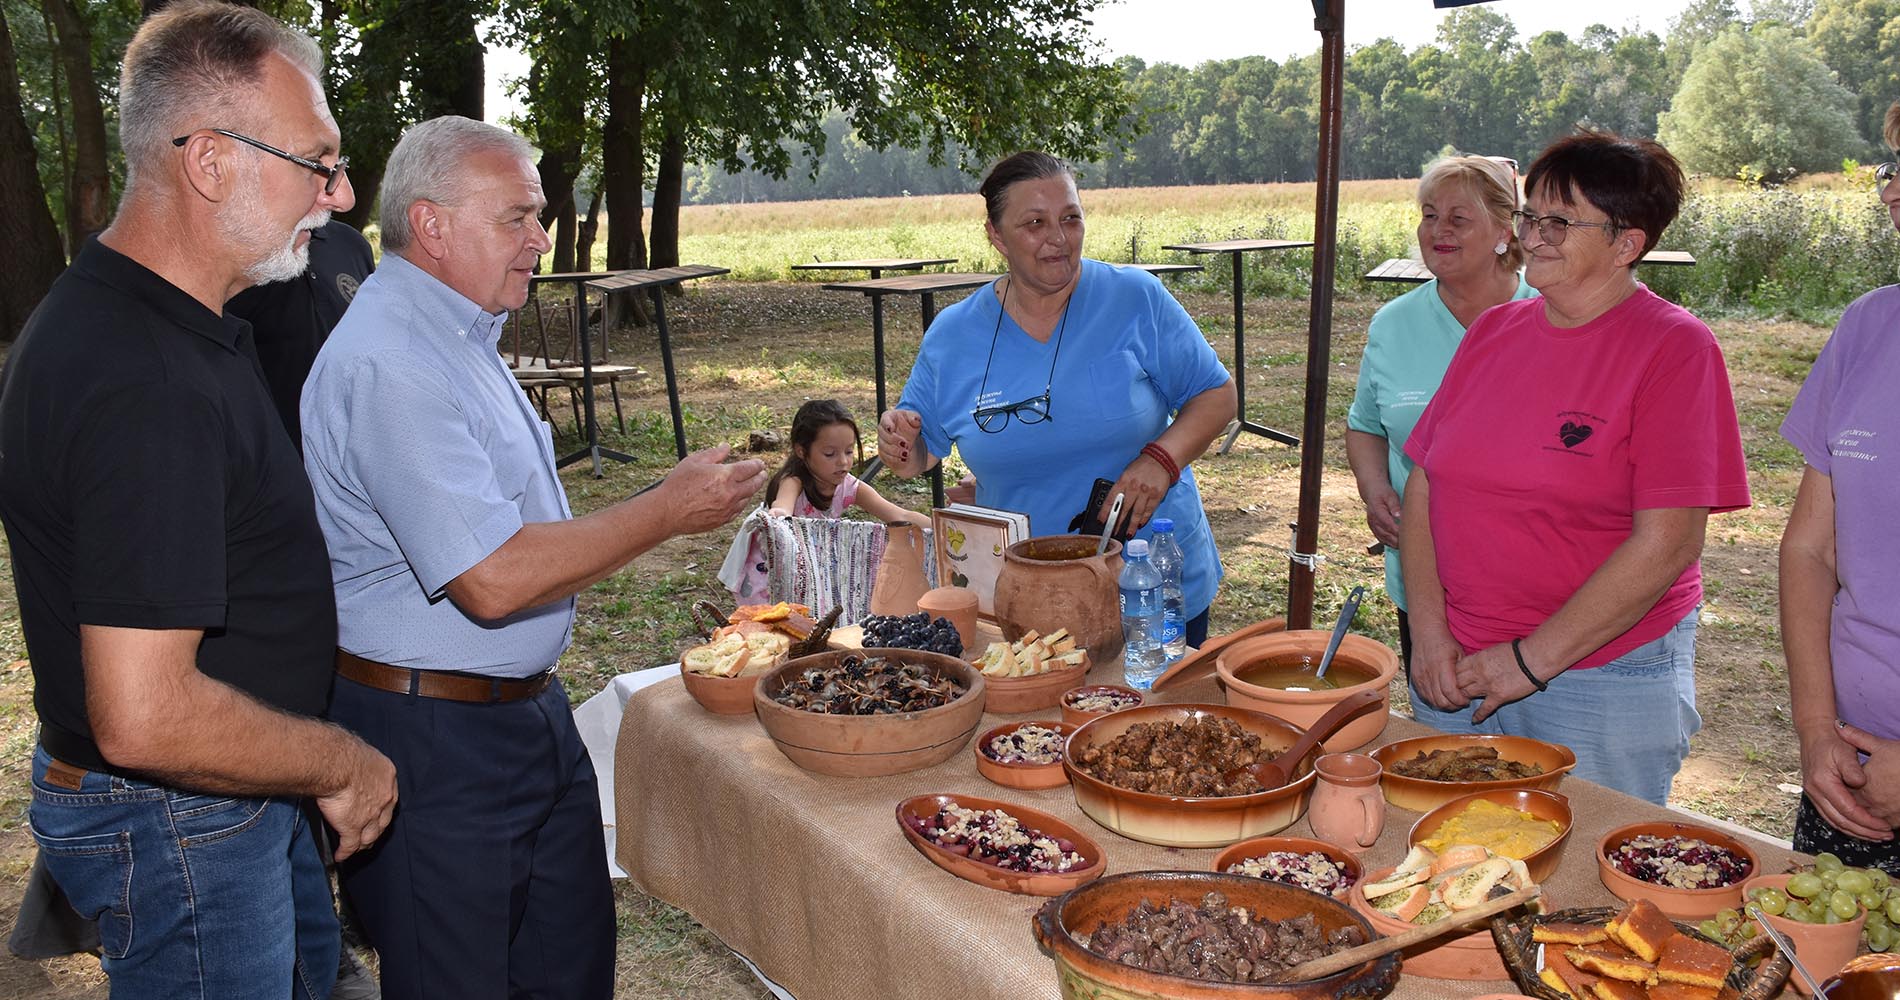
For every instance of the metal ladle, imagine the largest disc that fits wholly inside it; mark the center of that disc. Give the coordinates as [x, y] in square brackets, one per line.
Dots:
[1339, 631]
[1787, 948]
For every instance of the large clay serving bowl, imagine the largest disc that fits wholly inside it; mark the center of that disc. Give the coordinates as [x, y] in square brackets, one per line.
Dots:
[1370, 664]
[1542, 862]
[1466, 955]
[863, 746]
[923, 807]
[1016, 695]
[1185, 821]
[1679, 904]
[1060, 581]
[1258, 846]
[1084, 975]
[1424, 794]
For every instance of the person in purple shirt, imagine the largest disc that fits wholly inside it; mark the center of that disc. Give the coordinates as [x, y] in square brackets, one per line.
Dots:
[1840, 567]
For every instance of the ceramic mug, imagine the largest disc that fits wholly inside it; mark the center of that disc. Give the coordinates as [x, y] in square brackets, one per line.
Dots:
[1348, 808]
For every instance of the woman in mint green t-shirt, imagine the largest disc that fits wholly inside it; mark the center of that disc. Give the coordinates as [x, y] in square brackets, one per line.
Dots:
[1465, 239]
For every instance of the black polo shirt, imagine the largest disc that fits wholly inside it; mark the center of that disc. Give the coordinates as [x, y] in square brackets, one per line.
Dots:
[146, 482]
[291, 319]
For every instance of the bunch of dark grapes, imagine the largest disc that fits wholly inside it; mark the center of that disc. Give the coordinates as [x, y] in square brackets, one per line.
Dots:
[912, 632]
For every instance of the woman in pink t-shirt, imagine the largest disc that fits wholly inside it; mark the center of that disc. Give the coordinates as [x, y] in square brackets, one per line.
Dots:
[1566, 468]
[1840, 563]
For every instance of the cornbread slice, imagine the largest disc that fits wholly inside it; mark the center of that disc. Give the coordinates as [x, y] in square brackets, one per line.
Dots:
[1568, 933]
[1692, 962]
[1617, 989]
[1611, 965]
[1556, 983]
[1666, 990]
[1565, 978]
[1644, 929]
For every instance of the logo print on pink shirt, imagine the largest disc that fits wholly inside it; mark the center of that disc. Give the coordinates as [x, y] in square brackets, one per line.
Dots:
[1573, 434]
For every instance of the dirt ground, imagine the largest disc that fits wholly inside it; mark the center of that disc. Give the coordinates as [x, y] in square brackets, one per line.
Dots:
[748, 354]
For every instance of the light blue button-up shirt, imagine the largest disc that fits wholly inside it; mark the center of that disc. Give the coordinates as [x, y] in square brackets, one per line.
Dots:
[425, 457]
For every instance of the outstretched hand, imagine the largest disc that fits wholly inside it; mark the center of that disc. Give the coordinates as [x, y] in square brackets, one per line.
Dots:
[704, 491]
[900, 443]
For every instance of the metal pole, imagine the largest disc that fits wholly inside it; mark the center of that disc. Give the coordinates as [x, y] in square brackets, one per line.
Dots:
[1330, 22]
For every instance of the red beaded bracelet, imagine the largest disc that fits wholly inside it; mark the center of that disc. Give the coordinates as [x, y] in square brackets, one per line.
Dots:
[1161, 456]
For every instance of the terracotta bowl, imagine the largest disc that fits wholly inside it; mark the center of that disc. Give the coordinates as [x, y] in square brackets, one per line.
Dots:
[1019, 775]
[1470, 955]
[1016, 695]
[1543, 805]
[1257, 846]
[989, 876]
[1077, 717]
[721, 695]
[1084, 975]
[1424, 795]
[1681, 904]
[1371, 661]
[862, 746]
[1824, 949]
[1182, 821]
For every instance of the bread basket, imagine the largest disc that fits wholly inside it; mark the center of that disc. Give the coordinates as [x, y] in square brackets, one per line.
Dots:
[1513, 938]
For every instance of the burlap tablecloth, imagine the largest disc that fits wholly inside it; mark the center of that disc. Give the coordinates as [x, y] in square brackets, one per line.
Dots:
[810, 878]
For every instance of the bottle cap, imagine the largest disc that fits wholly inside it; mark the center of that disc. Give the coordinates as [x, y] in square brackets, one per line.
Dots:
[1162, 524]
[1136, 548]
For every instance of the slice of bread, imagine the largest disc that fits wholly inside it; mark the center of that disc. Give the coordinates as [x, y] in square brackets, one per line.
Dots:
[1469, 887]
[723, 657]
[1403, 904]
[1667, 990]
[1572, 980]
[1611, 965]
[1396, 881]
[1696, 963]
[1617, 989]
[1458, 856]
[1644, 929]
[1568, 933]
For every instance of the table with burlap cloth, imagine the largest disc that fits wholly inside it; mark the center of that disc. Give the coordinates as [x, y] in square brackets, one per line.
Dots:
[810, 877]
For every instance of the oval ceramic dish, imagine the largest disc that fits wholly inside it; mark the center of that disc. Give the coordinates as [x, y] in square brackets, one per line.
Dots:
[1542, 862]
[990, 876]
[1016, 695]
[1254, 847]
[721, 695]
[1424, 795]
[1469, 955]
[860, 746]
[1680, 904]
[1182, 821]
[1021, 775]
[1084, 974]
[1077, 717]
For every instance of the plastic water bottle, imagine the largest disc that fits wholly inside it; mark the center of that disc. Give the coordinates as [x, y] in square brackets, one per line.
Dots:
[1141, 617]
[1170, 562]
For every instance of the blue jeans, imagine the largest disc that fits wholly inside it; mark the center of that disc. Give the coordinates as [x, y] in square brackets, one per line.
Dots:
[197, 896]
[1628, 721]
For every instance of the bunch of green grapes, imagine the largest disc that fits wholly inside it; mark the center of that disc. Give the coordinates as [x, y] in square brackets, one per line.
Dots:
[1829, 892]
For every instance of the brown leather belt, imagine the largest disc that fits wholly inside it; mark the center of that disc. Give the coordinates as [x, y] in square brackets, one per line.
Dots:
[444, 684]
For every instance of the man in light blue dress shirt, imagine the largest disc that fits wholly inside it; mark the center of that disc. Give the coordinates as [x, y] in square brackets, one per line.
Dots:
[456, 561]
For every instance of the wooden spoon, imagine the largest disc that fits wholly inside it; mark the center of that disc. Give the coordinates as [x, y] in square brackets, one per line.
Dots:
[1340, 961]
[1277, 772]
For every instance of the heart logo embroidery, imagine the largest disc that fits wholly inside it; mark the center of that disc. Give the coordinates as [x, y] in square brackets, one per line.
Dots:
[1574, 434]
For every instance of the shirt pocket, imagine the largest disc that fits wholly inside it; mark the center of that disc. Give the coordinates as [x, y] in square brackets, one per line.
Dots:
[1121, 390]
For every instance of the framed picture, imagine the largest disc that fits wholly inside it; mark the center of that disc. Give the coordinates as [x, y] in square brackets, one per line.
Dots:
[970, 548]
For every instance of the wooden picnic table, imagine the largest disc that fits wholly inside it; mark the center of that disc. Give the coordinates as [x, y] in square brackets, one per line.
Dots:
[654, 283]
[810, 878]
[925, 287]
[1406, 269]
[1235, 249]
[1163, 270]
[876, 265]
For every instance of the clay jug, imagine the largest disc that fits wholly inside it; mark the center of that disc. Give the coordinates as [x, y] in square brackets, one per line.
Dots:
[1057, 581]
[1869, 977]
[959, 605]
[900, 575]
[1348, 808]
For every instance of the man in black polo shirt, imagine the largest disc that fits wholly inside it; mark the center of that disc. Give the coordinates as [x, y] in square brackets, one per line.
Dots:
[173, 584]
[291, 319]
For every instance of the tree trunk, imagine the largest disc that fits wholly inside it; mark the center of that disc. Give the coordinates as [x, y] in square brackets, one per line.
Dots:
[623, 158]
[666, 199]
[89, 186]
[30, 257]
[446, 78]
[586, 231]
[564, 238]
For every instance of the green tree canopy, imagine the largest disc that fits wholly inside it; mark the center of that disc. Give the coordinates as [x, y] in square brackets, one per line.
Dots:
[1759, 103]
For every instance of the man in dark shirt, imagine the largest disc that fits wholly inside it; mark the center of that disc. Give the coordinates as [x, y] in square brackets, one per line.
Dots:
[291, 319]
[173, 584]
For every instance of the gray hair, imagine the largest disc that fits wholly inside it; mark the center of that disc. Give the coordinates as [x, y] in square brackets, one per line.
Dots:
[427, 165]
[198, 65]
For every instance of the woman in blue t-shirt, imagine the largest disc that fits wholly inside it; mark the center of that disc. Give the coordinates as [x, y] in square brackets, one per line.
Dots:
[1063, 371]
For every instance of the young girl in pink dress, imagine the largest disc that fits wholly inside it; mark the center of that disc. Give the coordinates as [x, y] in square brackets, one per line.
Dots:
[816, 481]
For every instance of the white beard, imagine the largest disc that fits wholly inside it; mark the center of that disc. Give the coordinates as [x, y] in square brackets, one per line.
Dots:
[245, 225]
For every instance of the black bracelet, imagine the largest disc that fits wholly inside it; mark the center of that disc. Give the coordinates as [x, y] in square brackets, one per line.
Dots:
[1521, 665]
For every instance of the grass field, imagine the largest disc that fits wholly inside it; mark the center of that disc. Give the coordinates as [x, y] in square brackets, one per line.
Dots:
[749, 351]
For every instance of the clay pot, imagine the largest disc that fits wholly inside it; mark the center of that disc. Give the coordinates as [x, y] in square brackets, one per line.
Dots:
[1824, 949]
[1361, 659]
[1057, 581]
[958, 604]
[900, 574]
